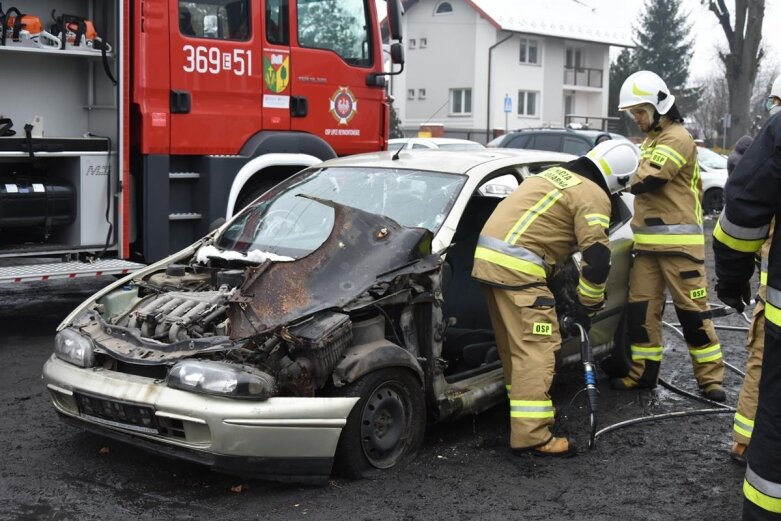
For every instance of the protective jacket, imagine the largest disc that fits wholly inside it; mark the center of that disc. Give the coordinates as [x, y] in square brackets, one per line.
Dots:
[667, 188]
[548, 217]
[752, 199]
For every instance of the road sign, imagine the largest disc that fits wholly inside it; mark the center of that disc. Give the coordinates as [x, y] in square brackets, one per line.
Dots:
[508, 104]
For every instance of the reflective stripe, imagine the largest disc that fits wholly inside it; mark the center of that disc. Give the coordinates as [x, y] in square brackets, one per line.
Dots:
[510, 256]
[605, 167]
[773, 306]
[669, 239]
[669, 229]
[531, 214]
[741, 232]
[762, 492]
[590, 291]
[763, 278]
[669, 234]
[743, 425]
[647, 353]
[531, 409]
[746, 246]
[671, 153]
[706, 354]
[695, 190]
[597, 219]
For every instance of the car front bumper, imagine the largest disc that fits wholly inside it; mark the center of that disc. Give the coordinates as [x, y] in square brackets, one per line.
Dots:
[287, 439]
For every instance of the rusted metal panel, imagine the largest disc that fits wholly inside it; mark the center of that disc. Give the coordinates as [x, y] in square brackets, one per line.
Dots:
[362, 249]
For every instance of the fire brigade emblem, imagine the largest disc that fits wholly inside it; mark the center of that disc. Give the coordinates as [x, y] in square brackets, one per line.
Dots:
[343, 105]
[276, 72]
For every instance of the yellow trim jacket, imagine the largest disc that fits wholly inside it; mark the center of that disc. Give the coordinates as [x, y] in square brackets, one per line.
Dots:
[668, 190]
[549, 217]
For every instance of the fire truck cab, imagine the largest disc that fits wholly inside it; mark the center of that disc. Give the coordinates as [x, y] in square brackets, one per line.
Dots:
[130, 126]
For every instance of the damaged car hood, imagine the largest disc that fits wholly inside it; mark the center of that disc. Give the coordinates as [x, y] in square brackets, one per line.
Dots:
[362, 250]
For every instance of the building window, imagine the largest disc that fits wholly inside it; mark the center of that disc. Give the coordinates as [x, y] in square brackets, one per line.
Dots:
[412, 43]
[410, 93]
[530, 51]
[574, 58]
[527, 103]
[569, 104]
[460, 101]
[443, 8]
[423, 43]
[421, 93]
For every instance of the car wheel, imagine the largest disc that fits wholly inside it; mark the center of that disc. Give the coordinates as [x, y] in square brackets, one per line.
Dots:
[619, 361]
[385, 427]
[713, 201]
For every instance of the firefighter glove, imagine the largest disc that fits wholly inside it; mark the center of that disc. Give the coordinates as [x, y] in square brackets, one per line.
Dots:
[734, 295]
[579, 315]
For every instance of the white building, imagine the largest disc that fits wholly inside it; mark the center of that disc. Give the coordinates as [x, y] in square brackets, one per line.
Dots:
[469, 61]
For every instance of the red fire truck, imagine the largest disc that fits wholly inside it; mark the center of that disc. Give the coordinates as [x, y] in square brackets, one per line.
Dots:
[127, 127]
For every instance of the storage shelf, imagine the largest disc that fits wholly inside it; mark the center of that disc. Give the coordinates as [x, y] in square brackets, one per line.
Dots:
[58, 52]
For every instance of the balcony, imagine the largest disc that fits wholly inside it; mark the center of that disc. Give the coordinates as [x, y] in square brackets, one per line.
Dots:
[583, 77]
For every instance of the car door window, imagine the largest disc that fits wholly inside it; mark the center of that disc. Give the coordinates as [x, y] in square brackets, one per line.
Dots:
[518, 142]
[575, 146]
[550, 142]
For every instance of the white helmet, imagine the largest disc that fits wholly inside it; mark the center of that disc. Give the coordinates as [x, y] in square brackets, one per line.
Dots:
[645, 87]
[617, 160]
[775, 90]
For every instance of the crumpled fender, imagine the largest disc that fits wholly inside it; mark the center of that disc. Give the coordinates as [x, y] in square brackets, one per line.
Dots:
[363, 359]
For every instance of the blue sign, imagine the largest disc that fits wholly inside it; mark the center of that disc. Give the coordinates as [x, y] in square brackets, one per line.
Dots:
[508, 103]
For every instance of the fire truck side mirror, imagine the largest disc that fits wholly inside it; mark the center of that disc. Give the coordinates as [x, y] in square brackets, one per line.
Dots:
[394, 19]
[397, 53]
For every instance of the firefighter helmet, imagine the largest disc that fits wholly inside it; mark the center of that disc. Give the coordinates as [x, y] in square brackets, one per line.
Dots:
[645, 87]
[775, 90]
[617, 160]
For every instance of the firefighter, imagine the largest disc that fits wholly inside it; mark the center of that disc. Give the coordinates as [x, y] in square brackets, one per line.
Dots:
[669, 250]
[531, 232]
[752, 196]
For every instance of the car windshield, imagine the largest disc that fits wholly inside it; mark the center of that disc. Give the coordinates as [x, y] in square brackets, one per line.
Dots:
[710, 159]
[284, 223]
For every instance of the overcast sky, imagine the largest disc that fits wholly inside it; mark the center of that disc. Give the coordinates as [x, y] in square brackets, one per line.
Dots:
[707, 33]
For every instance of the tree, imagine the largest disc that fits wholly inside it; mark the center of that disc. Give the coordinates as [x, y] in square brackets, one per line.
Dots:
[395, 124]
[663, 45]
[710, 109]
[620, 71]
[741, 61]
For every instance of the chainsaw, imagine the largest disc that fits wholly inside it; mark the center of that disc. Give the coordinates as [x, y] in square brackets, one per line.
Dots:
[25, 30]
[78, 33]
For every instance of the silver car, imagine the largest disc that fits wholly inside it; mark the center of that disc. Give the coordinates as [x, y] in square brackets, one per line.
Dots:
[322, 326]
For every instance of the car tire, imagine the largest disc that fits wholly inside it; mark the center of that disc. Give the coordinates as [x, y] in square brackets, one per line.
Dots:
[386, 426]
[713, 201]
[619, 361]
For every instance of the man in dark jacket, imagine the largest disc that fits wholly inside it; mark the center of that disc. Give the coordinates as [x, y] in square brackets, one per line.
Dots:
[753, 199]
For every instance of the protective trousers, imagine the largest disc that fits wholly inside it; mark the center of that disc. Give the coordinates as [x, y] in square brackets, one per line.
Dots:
[762, 486]
[527, 337]
[743, 425]
[686, 282]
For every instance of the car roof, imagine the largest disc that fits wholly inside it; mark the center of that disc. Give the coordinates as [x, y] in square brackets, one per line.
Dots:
[435, 140]
[449, 161]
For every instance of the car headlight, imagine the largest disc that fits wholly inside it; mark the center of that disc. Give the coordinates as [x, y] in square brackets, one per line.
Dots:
[74, 348]
[204, 376]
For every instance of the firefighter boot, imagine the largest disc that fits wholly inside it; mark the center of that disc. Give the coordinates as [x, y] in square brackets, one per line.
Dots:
[553, 448]
[714, 392]
[738, 452]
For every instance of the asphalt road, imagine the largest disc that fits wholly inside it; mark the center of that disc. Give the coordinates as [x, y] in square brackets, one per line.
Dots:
[675, 469]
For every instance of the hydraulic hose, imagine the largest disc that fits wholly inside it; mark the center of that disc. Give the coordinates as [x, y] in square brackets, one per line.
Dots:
[719, 407]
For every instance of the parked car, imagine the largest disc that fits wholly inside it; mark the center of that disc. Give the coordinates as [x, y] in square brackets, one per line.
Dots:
[432, 142]
[567, 140]
[326, 322]
[713, 170]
